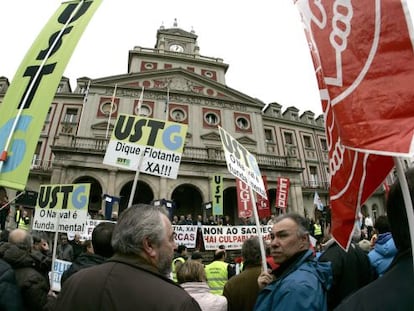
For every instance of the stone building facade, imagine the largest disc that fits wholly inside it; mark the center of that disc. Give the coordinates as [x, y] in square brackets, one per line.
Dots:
[79, 124]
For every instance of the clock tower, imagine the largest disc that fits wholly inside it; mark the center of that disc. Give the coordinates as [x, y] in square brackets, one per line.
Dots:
[177, 40]
[176, 48]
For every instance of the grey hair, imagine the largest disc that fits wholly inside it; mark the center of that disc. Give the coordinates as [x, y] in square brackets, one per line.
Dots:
[135, 224]
[301, 221]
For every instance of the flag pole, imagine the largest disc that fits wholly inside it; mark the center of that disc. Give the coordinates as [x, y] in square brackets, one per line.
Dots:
[4, 153]
[110, 111]
[258, 230]
[407, 199]
[166, 104]
[85, 99]
[141, 157]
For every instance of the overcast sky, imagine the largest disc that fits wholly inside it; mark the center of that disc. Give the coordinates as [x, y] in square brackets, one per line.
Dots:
[262, 41]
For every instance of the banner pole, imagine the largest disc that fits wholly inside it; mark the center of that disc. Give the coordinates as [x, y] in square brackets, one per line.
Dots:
[110, 110]
[12, 200]
[134, 184]
[258, 230]
[407, 199]
[4, 153]
[53, 271]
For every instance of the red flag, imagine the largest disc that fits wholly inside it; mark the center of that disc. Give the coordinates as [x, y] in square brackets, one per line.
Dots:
[244, 200]
[282, 193]
[363, 59]
[263, 205]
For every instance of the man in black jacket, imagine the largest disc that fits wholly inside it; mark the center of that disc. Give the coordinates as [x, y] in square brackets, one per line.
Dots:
[101, 250]
[33, 284]
[395, 288]
[351, 270]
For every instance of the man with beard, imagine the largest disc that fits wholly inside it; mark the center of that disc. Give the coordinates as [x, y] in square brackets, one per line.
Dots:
[136, 277]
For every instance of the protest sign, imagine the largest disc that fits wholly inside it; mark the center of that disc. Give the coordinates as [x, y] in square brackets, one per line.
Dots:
[185, 235]
[149, 145]
[232, 237]
[59, 266]
[62, 208]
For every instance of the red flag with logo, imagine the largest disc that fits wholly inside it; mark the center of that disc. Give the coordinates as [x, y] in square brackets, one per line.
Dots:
[282, 192]
[364, 64]
[263, 205]
[244, 200]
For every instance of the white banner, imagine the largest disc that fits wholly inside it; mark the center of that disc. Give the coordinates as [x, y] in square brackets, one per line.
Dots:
[185, 235]
[150, 145]
[60, 266]
[241, 163]
[232, 237]
[62, 208]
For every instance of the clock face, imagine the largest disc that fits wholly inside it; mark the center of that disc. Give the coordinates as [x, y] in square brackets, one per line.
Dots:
[176, 48]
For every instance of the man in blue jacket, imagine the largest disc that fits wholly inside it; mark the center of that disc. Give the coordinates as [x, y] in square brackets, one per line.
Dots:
[300, 282]
[384, 249]
[395, 289]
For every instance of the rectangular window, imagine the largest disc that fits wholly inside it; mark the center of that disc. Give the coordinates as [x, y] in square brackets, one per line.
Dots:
[307, 141]
[36, 155]
[71, 115]
[324, 145]
[288, 138]
[276, 112]
[314, 180]
[269, 135]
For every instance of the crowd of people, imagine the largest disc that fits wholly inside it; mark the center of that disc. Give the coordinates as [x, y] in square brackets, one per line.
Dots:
[136, 264]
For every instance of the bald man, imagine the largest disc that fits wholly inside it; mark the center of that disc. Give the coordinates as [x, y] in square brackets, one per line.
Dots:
[33, 285]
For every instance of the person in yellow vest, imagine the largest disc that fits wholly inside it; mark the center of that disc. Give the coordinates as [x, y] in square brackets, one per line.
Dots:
[317, 231]
[22, 219]
[217, 272]
[179, 259]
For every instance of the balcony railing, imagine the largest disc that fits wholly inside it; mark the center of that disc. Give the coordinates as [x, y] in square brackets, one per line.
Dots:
[192, 154]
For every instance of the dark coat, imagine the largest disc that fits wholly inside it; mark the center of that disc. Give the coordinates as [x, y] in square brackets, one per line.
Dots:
[241, 290]
[10, 298]
[34, 287]
[351, 271]
[123, 283]
[84, 260]
[392, 291]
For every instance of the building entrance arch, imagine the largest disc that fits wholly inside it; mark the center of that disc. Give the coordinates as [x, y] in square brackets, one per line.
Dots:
[143, 194]
[187, 200]
[95, 194]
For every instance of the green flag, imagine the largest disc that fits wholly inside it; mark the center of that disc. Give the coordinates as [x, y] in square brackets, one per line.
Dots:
[27, 101]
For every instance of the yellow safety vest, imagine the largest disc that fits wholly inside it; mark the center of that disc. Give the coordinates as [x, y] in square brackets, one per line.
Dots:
[317, 230]
[216, 273]
[173, 269]
[20, 222]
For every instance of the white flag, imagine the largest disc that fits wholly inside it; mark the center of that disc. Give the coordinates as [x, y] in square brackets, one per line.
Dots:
[317, 201]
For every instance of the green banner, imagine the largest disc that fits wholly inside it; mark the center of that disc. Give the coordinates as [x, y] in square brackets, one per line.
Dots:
[217, 194]
[34, 86]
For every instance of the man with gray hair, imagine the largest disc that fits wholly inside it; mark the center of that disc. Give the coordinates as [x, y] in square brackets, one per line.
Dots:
[300, 282]
[135, 278]
[241, 290]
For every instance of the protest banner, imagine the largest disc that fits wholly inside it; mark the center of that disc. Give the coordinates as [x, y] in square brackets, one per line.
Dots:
[148, 145]
[27, 101]
[185, 235]
[62, 208]
[241, 163]
[217, 194]
[232, 237]
[282, 193]
[366, 93]
[59, 266]
[244, 201]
